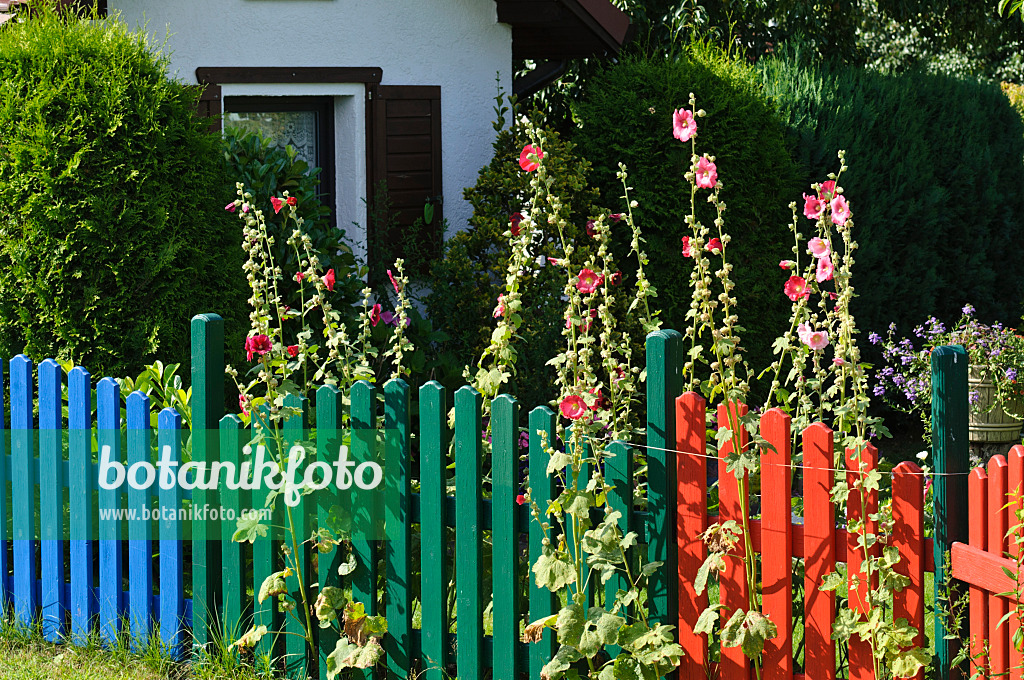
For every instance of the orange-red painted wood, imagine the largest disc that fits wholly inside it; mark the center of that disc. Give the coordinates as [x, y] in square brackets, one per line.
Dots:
[998, 607]
[819, 552]
[691, 521]
[908, 537]
[1015, 486]
[777, 541]
[733, 581]
[860, 507]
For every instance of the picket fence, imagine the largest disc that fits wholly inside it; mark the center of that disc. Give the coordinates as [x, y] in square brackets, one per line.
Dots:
[221, 572]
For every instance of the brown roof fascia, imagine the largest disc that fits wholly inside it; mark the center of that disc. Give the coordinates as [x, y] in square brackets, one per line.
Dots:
[576, 27]
[608, 22]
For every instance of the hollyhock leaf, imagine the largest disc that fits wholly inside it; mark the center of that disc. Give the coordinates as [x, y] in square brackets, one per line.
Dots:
[553, 570]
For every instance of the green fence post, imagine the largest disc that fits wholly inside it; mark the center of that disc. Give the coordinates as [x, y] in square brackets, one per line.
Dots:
[505, 536]
[469, 563]
[296, 646]
[542, 489]
[950, 453]
[207, 410]
[434, 570]
[664, 384]
[328, 447]
[398, 524]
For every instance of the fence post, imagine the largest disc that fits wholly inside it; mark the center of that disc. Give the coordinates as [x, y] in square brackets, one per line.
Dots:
[949, 451]
[664, 384]
[207, 410]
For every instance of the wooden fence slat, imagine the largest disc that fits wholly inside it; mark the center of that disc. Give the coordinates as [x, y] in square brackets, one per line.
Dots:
[434, 571]
[819, 552]
[777, 543]
[5, 564]
[172, 580]
[618, 473]
[295, 645]
[977, 491]
[733, 581]
[232, 552]
[542, 490]
[1015, 486]
[23, 478]
[51, 501]
[581, 484]
[140, 533]
[998, 607]
[108, 435]
[469, 566]
[398, 548]
[265, 550]
[363, 421]
[691, 522]
[80, 494]
[908, 537]
[505, 534]
[859, 508]
[328, 447]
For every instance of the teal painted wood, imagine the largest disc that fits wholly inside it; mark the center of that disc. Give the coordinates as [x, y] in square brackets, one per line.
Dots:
[172, 582]
[51, 501]
[81, 489]
[398, 547]
[434, 572]
[329, 441]
[542, 490]
[505, 533]
[363, 421]
[950, 452]
[664, 384]
[618, 473]
[232, 556]
[108, 435]
[207, 332]
[266, 549]
[295, 644]
[23, 476]
[469, 563]
[140, 532]
[580, 484]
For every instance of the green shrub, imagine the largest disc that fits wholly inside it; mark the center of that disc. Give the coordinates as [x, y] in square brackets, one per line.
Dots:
[934, 181]
[113, 230]
[625, 115]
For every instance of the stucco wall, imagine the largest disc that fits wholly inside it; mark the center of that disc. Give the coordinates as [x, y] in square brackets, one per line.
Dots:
[456, 44]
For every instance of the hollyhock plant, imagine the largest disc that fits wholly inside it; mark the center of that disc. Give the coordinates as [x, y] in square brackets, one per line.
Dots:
[840, 210]
[813, 207]
[684, 126]
[796, 288]
[573, 407]
[529, 159]
[588, 281]
[818, 247]
[707, 173]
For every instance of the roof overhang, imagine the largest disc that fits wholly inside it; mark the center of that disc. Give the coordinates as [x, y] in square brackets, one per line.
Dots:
[562, 29]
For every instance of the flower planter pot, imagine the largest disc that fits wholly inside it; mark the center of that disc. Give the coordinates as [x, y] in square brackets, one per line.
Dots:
[992, 426]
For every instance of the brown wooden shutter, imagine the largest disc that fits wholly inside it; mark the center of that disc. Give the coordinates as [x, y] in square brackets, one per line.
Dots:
[209, 105]
[404, 140]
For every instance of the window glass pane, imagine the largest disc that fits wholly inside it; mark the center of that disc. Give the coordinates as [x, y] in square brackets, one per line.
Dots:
[294, 128]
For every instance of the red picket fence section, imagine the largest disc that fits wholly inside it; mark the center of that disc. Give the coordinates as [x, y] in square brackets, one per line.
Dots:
[993, 498]
[778, 539]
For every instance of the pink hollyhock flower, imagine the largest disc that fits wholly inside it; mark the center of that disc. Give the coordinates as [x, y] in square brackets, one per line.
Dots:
[825, 269]
[787, 264]
[816, 340]
[839, 361]
[257, 344]
[375, 315]
[687, 248]
[683, 125]
[796, 288]
[514, 220]
[803, 331]
[299, 276]
[520, 499]
[500, 309]
[573, 407]
[394, 282]
[245, 207]
[615, 279]
[329, 280]
[293, 351]
[389, 318]
[591, 229]
[588, 281]
[813, 207]
[713, 245]
[615, 217]
[818, 247]
[527, 163]
[828, 188]
[242, 402]
[292, 201]
[840, 210]
[707, 173]
[230, 207]
[277, 203]
[554, 260]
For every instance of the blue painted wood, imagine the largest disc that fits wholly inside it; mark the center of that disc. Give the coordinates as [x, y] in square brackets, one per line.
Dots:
[5, 475]
[108, 435]
[80, 494]
[23, 477]
[51, 500]
[140, 532]
[172, 580]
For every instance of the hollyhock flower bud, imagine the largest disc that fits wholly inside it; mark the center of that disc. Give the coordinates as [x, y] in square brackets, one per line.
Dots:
[230, 207]
[787, 264]
[813, 207]
[394, 282]
[573, 407]
[277, 203]
[526, 162]
[588, 281]
[514, 220]
[796, 288]
[840, 210]
[707, 173]
[683, 125]
[818, 247]
[329, 280]
[824, 271]
[293, 351]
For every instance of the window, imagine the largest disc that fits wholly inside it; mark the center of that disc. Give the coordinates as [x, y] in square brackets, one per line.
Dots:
[304, 123]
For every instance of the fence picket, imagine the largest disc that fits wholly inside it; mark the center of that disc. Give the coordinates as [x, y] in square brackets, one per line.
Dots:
[23, 476]
[51, 501]
[5, 564]
[819, 552]
[265, 554]
[618, 472]
[859, 508]
[977, 492]
[777, 543]
[434, 571]
[398, 548]
[733, 581]
[172, 581]
[542, 490]
[328, 446]
[908, 537]
[1015, 486]
[998, 607]
[295, 645]
[691, 522]
[140, 534]
[108, 435]
[232, 552]
[82, 506]
[469, 566]
[505, 534]
[363, 421]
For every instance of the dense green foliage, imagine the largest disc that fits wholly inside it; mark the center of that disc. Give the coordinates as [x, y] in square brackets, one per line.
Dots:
[935, 170]
[112, 224]
[626, 115]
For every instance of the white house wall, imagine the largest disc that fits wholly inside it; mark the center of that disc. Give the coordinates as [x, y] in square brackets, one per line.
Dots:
[456, 44]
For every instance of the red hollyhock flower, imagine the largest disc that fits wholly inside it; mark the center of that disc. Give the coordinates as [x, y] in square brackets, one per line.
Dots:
[573, 407]
[687, 248]
[293, 351]
[527, 163]
[394, 282]
[514, 220]
[230, 207]
[796, 288]
[329, 280]
[257, 344]
[375, 315]
[828, 188]
[299, 276]
[591, 229]
[615, 279]
[242, 404]
[588, 281]
[277, 203]
[713, 245]
[292, 201]
[615, 217]
[520, 499]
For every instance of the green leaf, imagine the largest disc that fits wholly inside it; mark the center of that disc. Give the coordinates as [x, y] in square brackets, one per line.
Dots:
[274, 585]
[907, 664]
[249, 529]
[348, 655]
[553, 570]
[706, 621]
[327, 604]
[556, 668]
[570, 625]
